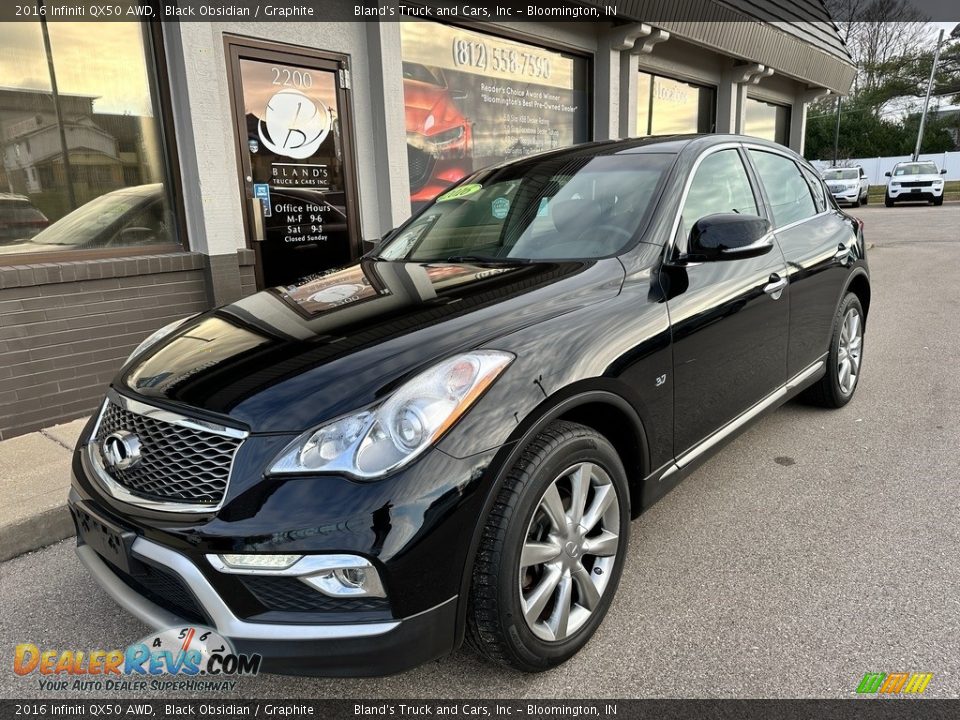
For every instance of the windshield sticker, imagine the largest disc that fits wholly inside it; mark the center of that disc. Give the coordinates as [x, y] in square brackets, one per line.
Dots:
[461, 192]
[500, 207]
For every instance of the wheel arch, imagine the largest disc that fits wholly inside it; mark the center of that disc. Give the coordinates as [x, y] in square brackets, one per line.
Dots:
[600, 404]
[859, 285]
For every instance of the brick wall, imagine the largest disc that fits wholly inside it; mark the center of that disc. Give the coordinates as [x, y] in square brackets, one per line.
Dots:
[65, 329]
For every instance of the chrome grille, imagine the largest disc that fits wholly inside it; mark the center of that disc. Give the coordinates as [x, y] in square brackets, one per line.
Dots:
[181, 461]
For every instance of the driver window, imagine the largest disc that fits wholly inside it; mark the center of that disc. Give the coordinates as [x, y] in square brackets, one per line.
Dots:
[719, 186]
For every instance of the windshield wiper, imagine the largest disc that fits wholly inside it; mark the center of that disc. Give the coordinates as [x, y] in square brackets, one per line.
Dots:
[488, 259]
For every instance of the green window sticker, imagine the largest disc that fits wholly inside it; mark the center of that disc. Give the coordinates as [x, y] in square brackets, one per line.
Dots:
[461, 192]
[500, 207]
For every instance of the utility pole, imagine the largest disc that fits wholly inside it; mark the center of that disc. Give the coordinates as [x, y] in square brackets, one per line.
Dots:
[926, 101]
[836, 133]
[55, 92]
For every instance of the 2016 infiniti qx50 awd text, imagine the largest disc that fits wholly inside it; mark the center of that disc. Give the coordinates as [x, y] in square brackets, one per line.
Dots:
[448, 440]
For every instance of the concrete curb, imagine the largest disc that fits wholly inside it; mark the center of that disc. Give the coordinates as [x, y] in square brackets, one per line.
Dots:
[33, 533]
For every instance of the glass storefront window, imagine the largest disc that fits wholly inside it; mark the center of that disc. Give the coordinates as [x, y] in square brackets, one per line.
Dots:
[667, 107]
[82, 162]
[768, 121]
[473, 99]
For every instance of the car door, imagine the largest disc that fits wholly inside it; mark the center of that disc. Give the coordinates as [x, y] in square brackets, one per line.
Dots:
[817, 241]
[729, 318]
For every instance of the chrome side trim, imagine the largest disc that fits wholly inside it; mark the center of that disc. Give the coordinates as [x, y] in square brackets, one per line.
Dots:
[93, 464]
[745, 417]
[224, 621]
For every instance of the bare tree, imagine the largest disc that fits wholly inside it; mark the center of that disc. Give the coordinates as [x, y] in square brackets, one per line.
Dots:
[877, 32]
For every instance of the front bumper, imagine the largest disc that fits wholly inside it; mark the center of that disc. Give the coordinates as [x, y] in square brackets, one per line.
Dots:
[924, 193]
[416, 528]
[349, 649]
[846, 196]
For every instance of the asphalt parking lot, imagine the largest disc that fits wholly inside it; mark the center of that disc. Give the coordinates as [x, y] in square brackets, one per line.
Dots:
[816, 547]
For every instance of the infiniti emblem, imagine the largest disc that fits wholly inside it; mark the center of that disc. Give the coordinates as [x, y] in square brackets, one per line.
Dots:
[121, 450]
[573, 550]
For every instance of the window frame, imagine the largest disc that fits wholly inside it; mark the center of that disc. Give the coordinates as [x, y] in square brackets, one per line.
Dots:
[155, 52]
[752, 183]
[671, 253]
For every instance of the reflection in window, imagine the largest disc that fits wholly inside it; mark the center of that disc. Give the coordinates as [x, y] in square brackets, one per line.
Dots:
[82, 167]
[768, 121]
[720, 186]
[666, 106]
[787, 191]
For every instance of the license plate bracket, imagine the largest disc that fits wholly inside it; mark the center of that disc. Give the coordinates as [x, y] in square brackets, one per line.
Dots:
[108, 539]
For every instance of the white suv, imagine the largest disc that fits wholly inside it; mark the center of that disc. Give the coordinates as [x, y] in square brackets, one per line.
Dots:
[848, 185]
[913, 181]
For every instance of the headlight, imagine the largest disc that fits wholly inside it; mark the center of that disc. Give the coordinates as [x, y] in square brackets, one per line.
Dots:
[447, 136]
[157, 336]
[374, 441]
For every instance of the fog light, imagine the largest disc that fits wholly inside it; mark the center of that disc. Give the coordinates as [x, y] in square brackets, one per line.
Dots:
[259, 562]
[348, 582]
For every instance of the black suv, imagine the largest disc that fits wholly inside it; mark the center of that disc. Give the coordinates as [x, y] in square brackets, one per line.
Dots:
[448, 440]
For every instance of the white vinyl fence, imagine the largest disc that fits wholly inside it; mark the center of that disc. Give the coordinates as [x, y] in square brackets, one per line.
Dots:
[876, 167]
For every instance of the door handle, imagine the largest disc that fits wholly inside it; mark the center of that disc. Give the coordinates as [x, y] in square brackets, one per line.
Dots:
[256, 220]
[774, 288]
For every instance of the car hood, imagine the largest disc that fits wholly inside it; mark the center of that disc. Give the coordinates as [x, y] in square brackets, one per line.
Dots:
[288, 358]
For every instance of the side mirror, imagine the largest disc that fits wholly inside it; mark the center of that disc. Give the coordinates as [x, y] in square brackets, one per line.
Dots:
[887, 173]
[943, 172]
[729, 236]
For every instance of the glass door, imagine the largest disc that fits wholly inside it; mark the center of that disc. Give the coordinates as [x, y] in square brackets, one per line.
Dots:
[296, 161]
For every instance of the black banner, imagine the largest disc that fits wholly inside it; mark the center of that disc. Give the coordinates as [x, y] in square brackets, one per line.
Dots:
[413, 709]
[442, 10]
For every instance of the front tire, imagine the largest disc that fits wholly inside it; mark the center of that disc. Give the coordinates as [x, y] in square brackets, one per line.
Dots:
[888, 201]
[552, 551]
[836, 388]
[938, 201]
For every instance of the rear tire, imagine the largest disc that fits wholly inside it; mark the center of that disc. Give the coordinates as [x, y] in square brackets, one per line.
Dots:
[538, 593]
[845, 359]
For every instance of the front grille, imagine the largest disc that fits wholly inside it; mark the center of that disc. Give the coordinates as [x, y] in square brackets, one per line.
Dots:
[164, 589]
[420, 165]
[916, 183]
[288, 594]
[177, 464]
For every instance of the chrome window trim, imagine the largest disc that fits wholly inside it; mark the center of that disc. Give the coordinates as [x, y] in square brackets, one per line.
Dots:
[92, 460]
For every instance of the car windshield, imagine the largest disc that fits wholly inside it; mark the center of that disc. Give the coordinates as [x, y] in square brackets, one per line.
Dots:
[573, 206]
[923, 168]
[841, 174]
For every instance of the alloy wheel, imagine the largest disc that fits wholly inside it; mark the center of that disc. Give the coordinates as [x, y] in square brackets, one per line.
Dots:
[850, 351]
[569, 552]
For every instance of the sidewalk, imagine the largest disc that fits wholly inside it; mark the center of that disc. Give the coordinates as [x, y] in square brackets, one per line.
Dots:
[34, 481]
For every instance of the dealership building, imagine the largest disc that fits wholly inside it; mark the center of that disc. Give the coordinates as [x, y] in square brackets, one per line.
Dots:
[150, 171]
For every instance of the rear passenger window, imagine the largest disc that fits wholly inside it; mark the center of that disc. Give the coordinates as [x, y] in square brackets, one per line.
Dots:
[816, 187]
[788, 192]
